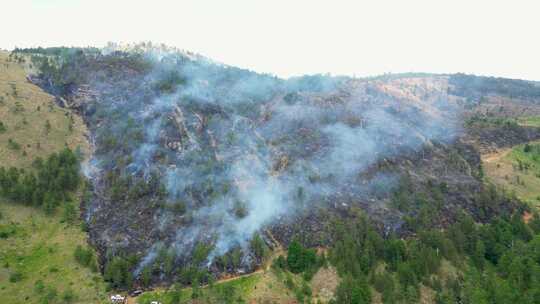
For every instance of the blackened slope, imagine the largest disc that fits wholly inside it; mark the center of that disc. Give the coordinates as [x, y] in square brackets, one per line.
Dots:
[474, 87]
[193, 158]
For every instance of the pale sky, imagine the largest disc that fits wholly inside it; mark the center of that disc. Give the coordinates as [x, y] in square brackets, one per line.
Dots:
[294, 37]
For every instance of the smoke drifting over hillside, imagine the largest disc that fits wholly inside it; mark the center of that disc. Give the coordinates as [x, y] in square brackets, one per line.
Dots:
[236, 151]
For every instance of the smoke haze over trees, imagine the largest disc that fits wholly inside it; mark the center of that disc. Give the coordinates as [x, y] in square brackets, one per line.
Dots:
[193, 160]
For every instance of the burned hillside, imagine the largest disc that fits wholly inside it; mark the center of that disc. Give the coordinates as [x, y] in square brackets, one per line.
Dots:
[198, 165]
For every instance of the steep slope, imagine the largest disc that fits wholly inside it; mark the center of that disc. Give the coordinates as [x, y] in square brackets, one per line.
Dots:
[36, 249]
[200, 172]
[193, 159]
[24, 112]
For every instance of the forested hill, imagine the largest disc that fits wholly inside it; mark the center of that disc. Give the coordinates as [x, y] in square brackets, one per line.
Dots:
[201, 171]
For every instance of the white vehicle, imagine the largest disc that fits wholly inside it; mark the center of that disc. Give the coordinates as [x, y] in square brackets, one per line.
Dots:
[118, 299]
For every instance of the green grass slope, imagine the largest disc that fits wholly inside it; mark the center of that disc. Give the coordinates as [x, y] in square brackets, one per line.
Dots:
[518, 171]
[37, 263]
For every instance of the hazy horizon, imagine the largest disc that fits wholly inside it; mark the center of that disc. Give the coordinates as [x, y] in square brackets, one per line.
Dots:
[491, 38]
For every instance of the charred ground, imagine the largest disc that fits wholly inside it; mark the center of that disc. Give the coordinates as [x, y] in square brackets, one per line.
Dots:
[198, 165]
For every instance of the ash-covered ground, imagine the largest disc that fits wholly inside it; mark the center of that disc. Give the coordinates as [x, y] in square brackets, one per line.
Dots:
[196, 163]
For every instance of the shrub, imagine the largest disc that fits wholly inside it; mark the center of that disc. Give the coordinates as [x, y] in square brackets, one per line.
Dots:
[69, 214]
[7, 231]
[178, 208]
[13, 145]
[15, 277]
[47, 126]
[68, 296]
[83, 256]
[50, 295]
[39, 287]
[240, 209]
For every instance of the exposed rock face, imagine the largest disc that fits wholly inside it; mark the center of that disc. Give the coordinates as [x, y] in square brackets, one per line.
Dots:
[189, 152]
